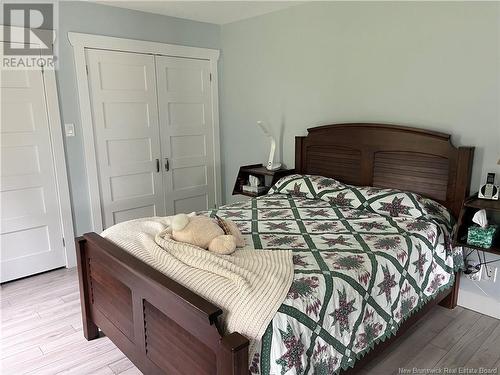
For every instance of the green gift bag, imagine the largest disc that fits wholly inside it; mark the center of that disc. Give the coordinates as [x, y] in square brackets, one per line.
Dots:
[482, 237]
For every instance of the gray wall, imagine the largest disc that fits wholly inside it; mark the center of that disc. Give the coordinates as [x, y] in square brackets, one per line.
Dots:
[104, 20]
[427, 64]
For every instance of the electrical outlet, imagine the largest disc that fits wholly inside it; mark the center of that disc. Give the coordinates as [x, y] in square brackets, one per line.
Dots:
[475, 276]
[489, 273]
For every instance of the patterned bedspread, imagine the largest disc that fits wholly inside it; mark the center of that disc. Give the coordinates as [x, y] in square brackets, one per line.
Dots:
[364, 262]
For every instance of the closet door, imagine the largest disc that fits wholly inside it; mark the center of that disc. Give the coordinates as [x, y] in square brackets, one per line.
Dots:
[187, 134]
[125, 118]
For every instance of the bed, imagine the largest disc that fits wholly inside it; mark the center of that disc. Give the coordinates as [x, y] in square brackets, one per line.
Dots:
[164, 327]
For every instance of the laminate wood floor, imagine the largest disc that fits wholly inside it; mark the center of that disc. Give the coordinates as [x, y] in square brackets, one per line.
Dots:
[41, 333]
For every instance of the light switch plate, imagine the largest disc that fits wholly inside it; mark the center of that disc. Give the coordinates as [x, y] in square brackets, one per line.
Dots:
[69, 129]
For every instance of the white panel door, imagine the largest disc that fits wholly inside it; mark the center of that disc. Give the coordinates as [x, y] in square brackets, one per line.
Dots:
[125, 118]
[31, 234]
[186, 124]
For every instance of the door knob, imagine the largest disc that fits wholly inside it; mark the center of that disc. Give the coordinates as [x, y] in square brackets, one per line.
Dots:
[167, 165]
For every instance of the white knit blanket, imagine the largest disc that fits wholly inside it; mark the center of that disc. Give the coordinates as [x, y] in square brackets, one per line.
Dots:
[249, 285]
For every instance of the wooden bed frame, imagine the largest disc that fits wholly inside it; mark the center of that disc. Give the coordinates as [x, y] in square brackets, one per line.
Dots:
[164, 328]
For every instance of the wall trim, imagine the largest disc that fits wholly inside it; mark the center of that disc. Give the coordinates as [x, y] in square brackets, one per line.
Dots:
[56, 134]
[80, 42]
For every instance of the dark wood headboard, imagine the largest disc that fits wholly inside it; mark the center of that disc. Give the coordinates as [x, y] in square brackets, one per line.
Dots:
[392, 156]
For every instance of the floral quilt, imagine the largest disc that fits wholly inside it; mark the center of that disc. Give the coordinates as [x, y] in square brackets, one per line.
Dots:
[361, 268]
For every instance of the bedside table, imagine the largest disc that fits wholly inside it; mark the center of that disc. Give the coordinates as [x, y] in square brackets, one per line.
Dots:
[268, 178]
[470, 206]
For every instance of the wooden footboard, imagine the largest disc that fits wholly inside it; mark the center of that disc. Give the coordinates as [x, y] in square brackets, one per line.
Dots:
[161, 326]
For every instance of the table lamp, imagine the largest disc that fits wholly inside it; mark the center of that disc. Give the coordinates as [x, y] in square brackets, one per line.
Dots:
[271, 165]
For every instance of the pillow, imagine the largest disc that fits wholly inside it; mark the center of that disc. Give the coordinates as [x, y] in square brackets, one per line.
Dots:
[398, 203]
[304, 186]
[387, 202]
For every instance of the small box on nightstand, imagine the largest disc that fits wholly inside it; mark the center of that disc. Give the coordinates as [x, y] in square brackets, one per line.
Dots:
[267, 178]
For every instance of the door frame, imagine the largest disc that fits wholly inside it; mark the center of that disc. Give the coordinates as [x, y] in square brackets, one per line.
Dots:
[81, 41]
[58, 154]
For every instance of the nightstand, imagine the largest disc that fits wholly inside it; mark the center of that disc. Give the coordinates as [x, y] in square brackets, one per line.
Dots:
[267, 178]
[470, 206]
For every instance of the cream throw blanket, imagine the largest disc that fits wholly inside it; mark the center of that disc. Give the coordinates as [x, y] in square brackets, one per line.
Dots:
[249, 285]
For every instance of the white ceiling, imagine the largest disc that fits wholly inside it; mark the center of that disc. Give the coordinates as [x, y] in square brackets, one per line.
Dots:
[218, 12]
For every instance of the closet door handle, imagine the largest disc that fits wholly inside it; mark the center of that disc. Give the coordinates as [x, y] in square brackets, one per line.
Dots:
[167, 165]
[157, 165]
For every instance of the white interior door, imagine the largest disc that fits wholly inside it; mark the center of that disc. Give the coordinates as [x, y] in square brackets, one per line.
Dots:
[31, 234]
[186, 124]
[125, 118]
